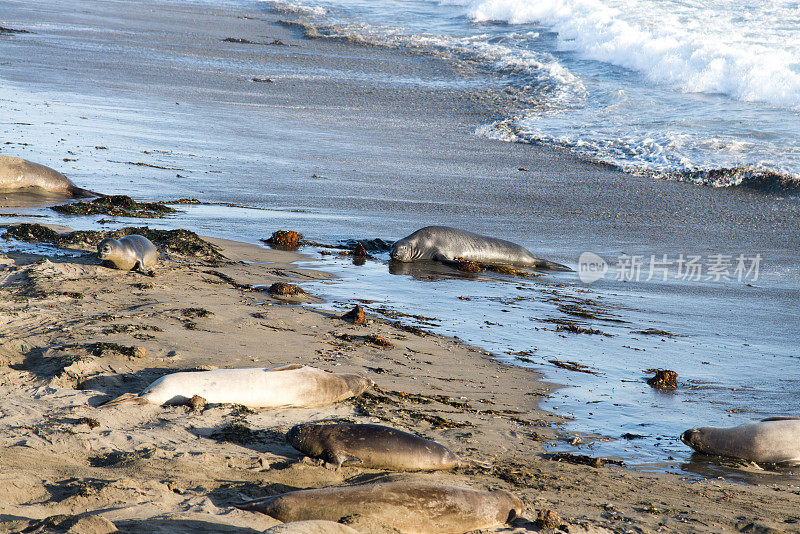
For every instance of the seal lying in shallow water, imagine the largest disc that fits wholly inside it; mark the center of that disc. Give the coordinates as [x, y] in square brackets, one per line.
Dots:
[775, 440]
[17, 174]
[371, 446]
[409, 507]
[288, 386]
[132, 252]
[442, 243]
[311, 527]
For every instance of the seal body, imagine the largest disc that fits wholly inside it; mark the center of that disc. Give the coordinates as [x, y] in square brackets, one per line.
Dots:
[17, 174]
[289, 386]
[311, 527]
[410, 507]
[442, 243]
[775, 441]
[372, 446]
[131, 252]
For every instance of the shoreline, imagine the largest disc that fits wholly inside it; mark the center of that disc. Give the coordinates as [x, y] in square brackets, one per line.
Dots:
[140, 467]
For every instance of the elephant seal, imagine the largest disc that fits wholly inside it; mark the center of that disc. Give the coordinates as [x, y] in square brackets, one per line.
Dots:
[442, 243]
[410, 507]
[288, 386]
[311, 527]
[775, 440]
[17, 174]
[132, 252]
[371, 446]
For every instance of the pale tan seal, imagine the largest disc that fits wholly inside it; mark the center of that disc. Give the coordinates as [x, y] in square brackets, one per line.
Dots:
[132, 252]
[311, 527]
[441, 243]
[288, 386]
[410, 507]
[371, 446]
[775, 440]
[17, 174]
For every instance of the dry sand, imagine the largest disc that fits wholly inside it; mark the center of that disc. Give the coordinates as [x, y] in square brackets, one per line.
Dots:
[71, 466]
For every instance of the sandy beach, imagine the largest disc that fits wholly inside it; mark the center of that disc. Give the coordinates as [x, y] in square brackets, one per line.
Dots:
[71, 465]
[223, 102]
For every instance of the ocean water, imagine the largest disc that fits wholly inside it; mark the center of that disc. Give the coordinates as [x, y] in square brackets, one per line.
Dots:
[699, 90]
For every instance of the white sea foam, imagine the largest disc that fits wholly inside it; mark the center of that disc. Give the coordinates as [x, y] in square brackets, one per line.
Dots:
[744, 49]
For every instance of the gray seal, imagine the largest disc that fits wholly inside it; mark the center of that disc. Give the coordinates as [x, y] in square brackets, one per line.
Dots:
[132, 252]
[17, 174]
[441, 243]
[410, 507]
[371, 446]
[775, 440]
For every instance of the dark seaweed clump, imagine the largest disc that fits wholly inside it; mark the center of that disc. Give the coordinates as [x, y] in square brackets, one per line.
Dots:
[116, 205]
[178, 241]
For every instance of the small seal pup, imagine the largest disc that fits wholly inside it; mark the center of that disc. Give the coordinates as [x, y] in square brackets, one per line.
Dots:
[371, 446]
[775, 440]
[17, 174]
[311, 527]
[132, 252]
[410, 507]
[288, 386]
[442, 243]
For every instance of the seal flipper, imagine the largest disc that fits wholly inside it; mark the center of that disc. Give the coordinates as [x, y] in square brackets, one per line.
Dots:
[335, 460]
[126, 398]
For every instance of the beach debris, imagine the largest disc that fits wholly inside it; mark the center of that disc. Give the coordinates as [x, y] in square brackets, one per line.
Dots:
[565, 325]
[663, 379]
[574, 366]
[360, 251]
[196, 312]
[582, 459]
[197, 404]
[284, 240]
[466, 266]
[237, 40]
[282, 289]
[654, 332]
[379, 341]
[547, 519]
[4, 29]
[355, 316]
[117, 206]
[261, 80]
[178, 241]
[102, 348]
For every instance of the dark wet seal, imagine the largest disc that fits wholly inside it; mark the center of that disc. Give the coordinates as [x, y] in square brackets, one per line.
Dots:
[664, 379]
[371, 446]
[117, 206]
[405, 506]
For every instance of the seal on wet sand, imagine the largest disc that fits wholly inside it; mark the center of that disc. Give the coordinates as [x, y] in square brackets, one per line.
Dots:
[311, 527]
[371, 446]
[409, 507]
[288, 386]
[775, 440]
[17, 174]
[132, 252]
[442, 243]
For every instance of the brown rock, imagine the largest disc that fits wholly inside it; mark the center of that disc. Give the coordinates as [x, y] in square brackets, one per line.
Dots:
[664, 379]
[283, 289]
[360, 251]
[356, 316]
[139, 352]
[285, 238]
[547, 519]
